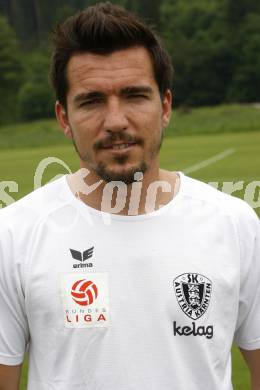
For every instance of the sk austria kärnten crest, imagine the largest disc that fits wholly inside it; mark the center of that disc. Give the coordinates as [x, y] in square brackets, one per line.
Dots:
[193, 292]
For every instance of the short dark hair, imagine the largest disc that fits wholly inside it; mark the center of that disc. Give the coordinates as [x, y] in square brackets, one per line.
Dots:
[102, 29]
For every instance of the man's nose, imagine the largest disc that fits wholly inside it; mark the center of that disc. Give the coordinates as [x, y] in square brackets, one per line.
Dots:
[115, 116]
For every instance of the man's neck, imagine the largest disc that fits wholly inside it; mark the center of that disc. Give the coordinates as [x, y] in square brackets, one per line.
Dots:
[146, 194]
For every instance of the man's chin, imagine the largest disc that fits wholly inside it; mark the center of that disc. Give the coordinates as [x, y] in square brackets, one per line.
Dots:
[126, 176]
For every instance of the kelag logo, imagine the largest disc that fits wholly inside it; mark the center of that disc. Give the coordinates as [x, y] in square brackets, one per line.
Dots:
[84, 292]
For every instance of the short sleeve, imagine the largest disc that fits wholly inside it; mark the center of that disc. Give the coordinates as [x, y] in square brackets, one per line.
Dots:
[14, 333]
[247, 335]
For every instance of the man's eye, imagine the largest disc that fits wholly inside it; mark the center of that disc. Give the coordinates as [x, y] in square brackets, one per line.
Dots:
[137, 96]
[90, 102]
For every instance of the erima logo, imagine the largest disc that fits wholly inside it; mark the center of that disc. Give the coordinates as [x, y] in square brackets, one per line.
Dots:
[82, 257]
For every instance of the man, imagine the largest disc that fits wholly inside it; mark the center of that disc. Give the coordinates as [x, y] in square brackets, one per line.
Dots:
[152, 297]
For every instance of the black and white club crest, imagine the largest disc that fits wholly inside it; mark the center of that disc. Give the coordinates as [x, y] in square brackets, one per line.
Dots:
[193, 292]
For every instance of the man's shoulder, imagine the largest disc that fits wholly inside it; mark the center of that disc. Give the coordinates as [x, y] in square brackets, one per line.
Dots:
[33, 206]
[223, 203]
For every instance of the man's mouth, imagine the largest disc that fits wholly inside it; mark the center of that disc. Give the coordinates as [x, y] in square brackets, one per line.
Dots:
[120, 146]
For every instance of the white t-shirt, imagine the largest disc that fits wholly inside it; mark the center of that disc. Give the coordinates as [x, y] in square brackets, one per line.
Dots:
[111, 302]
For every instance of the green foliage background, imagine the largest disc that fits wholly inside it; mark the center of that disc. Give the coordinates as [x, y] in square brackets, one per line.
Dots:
[214, 46]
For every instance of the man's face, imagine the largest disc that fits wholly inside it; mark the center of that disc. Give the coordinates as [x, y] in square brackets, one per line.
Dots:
[115, 115]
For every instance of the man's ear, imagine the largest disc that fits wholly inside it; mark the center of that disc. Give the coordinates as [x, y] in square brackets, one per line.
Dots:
[166, 108]
[62, 119]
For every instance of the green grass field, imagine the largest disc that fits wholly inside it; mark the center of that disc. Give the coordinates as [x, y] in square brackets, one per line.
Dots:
[178, 153]
[19, 162]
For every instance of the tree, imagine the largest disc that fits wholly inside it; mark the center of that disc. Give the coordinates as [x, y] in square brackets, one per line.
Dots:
[195, 35]
[237, 11]
[245, 85]
[35, 99]
[10, 72]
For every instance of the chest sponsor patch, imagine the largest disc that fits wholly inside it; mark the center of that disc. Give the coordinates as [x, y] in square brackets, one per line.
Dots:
[85, 299]
[193, 293]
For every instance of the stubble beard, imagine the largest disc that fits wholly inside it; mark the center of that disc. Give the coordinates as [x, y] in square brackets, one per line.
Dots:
[128, 176]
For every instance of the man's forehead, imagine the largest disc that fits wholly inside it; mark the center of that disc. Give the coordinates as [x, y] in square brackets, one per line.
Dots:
[121, 66]
[138, 56]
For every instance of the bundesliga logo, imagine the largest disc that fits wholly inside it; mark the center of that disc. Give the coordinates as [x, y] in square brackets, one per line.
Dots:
[85, 299]
[193, 292]
[84, 292]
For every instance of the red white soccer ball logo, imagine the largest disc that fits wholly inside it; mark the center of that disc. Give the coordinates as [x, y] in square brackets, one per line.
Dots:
[84, 292]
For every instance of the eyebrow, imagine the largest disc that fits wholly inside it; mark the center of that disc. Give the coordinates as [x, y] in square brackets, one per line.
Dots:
[124, 91]
[87, 96]
[137, 89]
